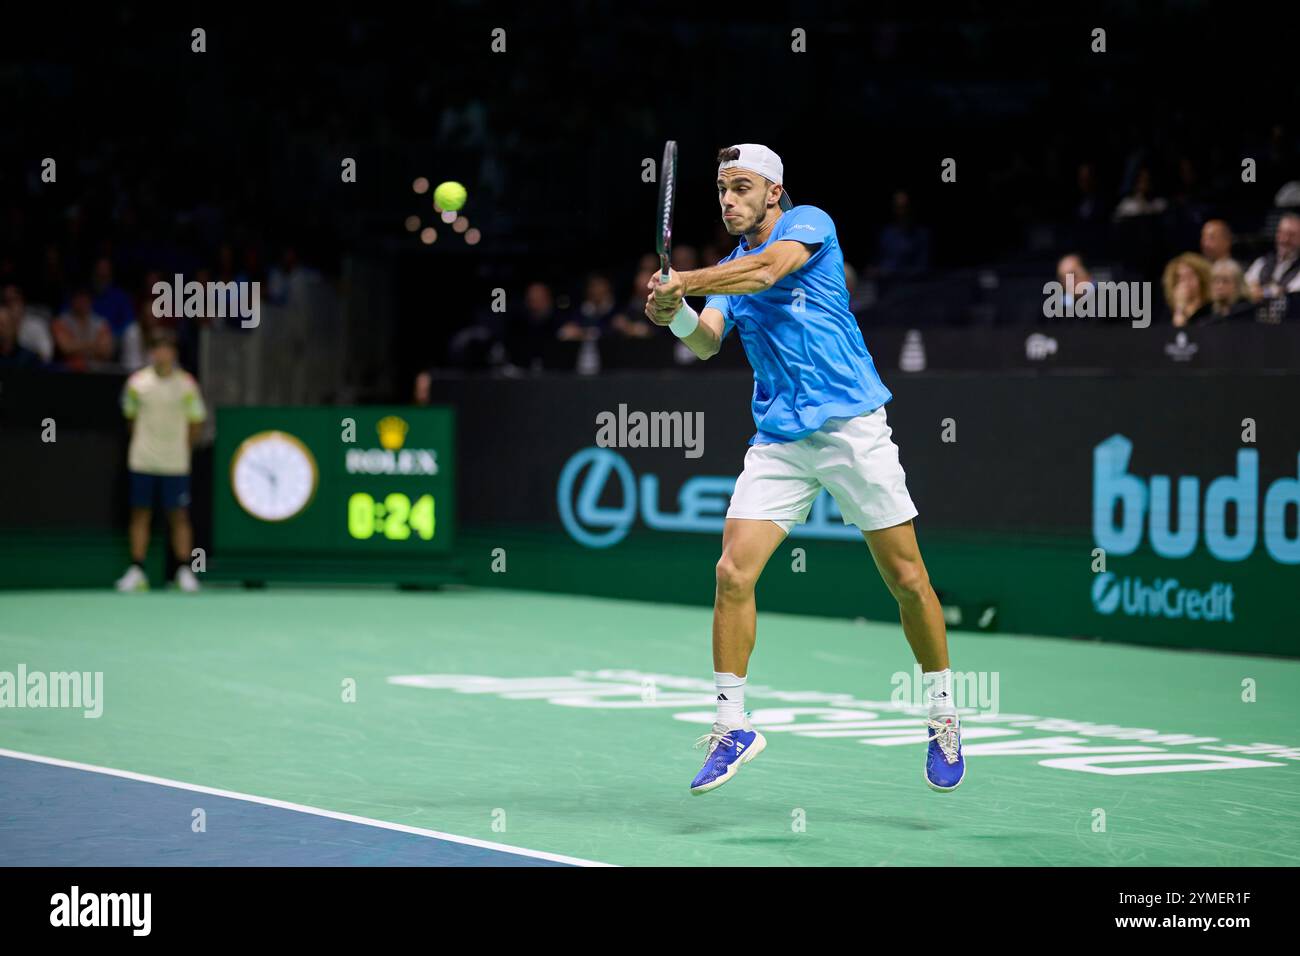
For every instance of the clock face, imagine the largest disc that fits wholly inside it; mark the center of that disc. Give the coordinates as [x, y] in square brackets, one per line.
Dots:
[273, 476]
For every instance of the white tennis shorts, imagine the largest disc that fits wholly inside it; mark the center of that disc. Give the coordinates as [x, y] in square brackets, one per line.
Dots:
[855, 459]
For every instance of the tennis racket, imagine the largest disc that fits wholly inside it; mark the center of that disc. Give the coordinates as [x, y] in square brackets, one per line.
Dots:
[667, 193]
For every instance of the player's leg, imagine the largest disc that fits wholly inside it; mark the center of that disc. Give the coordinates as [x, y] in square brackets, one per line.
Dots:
[177, 498]
[137, 532]
[898, 559]
[747, 544]
[859, 464]
[772, 495]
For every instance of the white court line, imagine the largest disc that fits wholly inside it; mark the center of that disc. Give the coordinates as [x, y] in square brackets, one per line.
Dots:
[300, 808]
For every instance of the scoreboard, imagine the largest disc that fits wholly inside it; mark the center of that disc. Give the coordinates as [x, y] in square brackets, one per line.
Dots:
[367, 489]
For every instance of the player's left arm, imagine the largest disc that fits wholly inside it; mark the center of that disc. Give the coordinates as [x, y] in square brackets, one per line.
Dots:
[738, 277]
[747, 274]
[195, 411]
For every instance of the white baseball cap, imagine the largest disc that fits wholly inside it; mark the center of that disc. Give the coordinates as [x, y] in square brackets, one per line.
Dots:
[759, 159]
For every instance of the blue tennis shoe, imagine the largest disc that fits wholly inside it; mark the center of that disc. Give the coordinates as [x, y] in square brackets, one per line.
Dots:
[944, 766]
[729, 749]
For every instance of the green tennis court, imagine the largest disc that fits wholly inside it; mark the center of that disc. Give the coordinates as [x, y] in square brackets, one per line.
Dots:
[562, 727]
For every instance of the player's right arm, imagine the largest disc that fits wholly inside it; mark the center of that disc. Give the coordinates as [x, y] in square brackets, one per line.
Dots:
[707, 337]
[130, 404]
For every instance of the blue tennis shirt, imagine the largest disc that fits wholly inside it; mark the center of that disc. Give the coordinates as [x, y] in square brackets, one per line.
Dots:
[810, 363]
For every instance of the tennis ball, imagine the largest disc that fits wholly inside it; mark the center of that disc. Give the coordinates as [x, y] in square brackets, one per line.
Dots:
[450, 196]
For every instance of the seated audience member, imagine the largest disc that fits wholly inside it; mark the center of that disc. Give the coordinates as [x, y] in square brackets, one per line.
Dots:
[1140, 201]
[110, 301]
[422, 392]
[529, 329]
[33, 328]
[594, 314]
[1187, 289]
[1277, 273]
[1088, 206]
[133, 353]
[1216, 241]
[904, 246]
[1074, 278]
[13, 355]
[863, 293]
[82, 339]
[630, 320]
[1229, 298]
[686, 258]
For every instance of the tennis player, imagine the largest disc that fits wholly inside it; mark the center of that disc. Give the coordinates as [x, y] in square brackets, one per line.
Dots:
[819, 406]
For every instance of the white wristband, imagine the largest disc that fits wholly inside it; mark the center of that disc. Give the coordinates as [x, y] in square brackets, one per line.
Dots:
[686, 321]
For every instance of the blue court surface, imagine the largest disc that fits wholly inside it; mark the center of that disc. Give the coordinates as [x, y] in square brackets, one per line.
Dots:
[104, 818]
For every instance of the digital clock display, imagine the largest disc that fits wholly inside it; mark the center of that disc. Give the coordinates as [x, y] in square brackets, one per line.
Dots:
[335, 482]
[397, 518]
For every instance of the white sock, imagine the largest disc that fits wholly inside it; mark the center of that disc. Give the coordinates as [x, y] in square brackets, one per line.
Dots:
[940, 697]
[731, 699]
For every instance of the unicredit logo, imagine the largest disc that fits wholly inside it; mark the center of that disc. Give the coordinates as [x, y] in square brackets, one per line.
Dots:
[1163, 597]
[1173, 521]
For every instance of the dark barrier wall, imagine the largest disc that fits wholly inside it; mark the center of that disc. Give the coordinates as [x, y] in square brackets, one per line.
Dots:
[1197, 525]
[63, 483]
[1243, 346]
[62, 451]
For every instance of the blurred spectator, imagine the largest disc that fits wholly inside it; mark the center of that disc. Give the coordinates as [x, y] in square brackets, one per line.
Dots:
[1216, 240]
[13, 355]
[1288, 196]
[1278, 272]
[1074, 278]
[685, 258]
[51, 283]
[33, 328]
[1187, 289]
[290, 282]
[862, 295]
[133, 353]
[630, 320]
[594, 314]
[479, 344]
[228, 275]
[1088, 206]
[1229, 297]
[147, 294]
[110, 301]
[529, 331]
[1186, 209]
[422, 394]
[82, 339]
[904, 247]
[1140, 202]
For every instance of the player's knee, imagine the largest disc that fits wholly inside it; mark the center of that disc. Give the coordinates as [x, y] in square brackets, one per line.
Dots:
[908, 581]
[733, 580]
